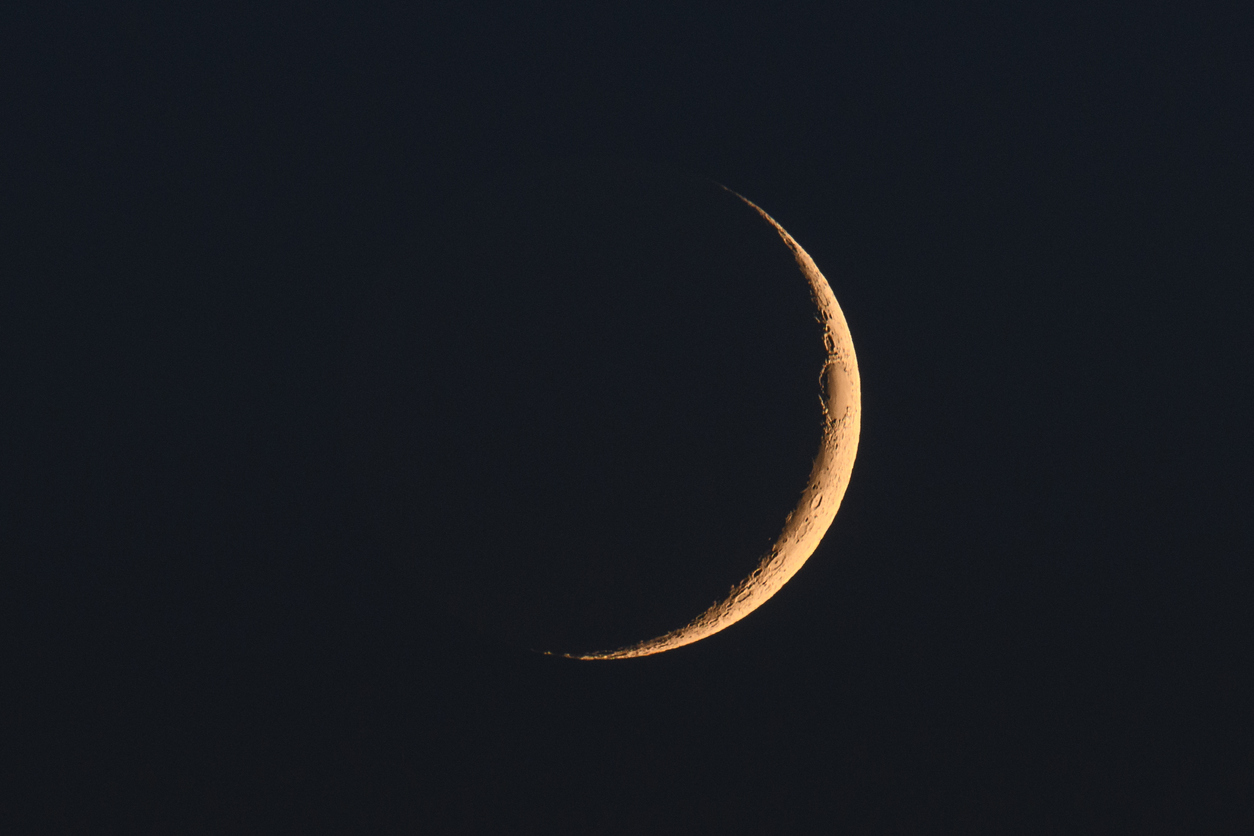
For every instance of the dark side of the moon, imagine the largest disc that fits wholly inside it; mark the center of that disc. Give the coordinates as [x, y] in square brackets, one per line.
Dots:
[581, 402]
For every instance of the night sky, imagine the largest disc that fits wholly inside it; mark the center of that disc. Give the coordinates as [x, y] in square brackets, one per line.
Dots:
[347, 354]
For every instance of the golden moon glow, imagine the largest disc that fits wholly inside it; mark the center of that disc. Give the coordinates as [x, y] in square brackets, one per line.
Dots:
[841, 399]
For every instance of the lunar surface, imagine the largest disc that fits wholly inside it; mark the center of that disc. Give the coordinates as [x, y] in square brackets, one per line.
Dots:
[804, 527]
[580, 406]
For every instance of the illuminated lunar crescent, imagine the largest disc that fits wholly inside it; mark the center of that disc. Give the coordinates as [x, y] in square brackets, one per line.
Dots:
[804, 527]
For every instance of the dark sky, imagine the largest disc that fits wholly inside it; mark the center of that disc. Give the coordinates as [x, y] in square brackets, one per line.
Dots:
[301, 379]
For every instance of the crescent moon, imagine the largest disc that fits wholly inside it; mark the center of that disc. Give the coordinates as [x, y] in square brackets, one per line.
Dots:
[841, 400]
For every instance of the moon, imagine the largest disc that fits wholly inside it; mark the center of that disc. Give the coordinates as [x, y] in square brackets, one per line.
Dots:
[840, 397]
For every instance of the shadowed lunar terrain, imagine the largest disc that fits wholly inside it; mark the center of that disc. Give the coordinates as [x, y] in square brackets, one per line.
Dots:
[585, 403]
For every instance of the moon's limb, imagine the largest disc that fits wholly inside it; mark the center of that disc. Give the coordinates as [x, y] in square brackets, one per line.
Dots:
[804, 527]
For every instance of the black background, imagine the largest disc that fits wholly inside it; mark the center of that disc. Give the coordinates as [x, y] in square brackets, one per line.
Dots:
[1031, 614]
